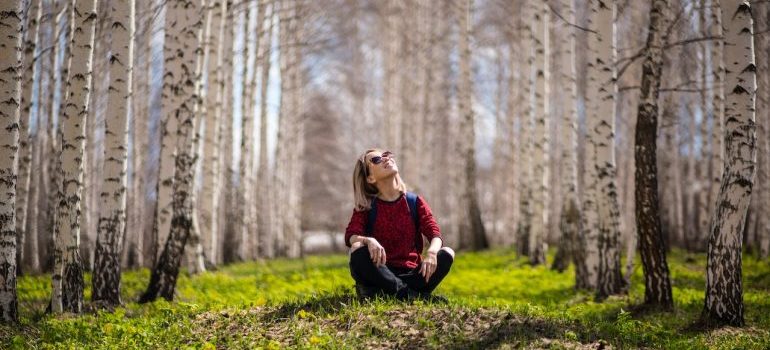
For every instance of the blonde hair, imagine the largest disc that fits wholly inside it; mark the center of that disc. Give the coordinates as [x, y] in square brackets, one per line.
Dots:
[363, 191]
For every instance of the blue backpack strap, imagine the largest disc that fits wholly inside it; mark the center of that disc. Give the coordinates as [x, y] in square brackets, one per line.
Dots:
[372, 216]
[411, 199]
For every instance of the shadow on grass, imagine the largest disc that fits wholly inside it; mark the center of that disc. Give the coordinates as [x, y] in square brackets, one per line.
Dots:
[516, 331]
[320, 305]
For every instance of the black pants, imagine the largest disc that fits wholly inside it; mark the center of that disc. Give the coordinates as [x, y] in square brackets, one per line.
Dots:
[400, 282]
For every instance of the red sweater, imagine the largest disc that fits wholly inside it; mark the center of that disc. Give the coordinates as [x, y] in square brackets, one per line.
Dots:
[395, 230]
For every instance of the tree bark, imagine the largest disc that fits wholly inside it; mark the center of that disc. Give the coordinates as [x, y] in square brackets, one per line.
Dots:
[472, 227]
[212, 163]
[540, 198]
[170, 102]
[656, 276]
[112, 214]
[570, 211]
[264, 184]
[10, 110]
[717, 151]
[724, 290]
[31, 19]
[601, 127]
[183, 24]
[68, 268]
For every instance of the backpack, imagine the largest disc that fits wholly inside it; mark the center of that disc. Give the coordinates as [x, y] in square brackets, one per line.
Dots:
[411, 200]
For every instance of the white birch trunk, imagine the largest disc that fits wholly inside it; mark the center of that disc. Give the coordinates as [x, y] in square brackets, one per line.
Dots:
[68, 269]
[247, 130]
[112, 209]
[541, 151]
[32, 19]
[526, 131]
[170, 102]
[10, 94]
[602, 125]
[471, 227]
[591, 195]
[213, 46]
[657, 283]
[195, 255]
[724, 291]
[184, 25]
[763, 151]
[716, 162]
[570, 211]
[264, 184]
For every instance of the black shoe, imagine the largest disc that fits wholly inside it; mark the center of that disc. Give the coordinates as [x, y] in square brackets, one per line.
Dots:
[364, 292]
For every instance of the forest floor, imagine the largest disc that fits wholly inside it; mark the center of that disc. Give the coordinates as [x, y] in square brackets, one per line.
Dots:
[496, 300]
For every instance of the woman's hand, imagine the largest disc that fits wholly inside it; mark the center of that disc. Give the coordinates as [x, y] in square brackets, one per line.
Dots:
[428, 265]
[376, 251]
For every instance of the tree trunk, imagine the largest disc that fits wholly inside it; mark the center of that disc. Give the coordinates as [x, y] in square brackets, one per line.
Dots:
[68, 269]
[264, 184]
[656, 277]
[32, 19]
[10, 93]
[526, 129]
[228, 249]
[763, 152]
[570, 212]
[213, 46]
[717, 151]
[541, 176]
[602, 124]
[182, 24]
[472, 227]
[245, 176]
[170, 103]
[724, 290]
[196, 259]
[112, 214]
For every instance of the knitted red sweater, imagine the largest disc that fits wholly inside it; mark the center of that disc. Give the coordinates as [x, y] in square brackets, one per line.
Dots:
[395, 230]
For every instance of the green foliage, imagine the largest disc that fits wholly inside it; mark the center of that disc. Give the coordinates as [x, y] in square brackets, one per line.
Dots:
[496, 299]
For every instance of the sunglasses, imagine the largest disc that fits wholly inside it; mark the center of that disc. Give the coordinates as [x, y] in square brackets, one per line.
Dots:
[376, 160]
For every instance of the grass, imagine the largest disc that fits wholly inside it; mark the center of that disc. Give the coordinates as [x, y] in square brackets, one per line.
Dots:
[496, 301]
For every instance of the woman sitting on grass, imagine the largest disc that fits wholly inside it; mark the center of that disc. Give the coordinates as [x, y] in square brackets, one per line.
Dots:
[385, 234]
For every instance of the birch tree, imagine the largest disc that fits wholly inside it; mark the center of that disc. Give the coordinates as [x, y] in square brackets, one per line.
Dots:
[540, 198]
[10, 95]
[526, 130]
[112, 213]
[245, 176]
[472, 228]
[183, 23]
[571, 210]
[657, 283]
[68, 269]
[263, 184]
[589, 247]
[717, 151]
[170, 102]
[213, 46]
[724, 290]
[32, 19]
[601, 128]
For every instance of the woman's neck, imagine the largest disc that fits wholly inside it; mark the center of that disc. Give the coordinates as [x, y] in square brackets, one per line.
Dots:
[389, 190]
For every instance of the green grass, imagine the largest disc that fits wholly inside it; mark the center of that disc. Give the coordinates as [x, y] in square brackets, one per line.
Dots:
[496, 301]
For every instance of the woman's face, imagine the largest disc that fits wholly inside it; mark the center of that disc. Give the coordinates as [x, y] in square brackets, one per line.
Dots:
[380, 165]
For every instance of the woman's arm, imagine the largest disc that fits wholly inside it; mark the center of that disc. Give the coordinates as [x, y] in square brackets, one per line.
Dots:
[428, 226]
[435, 245]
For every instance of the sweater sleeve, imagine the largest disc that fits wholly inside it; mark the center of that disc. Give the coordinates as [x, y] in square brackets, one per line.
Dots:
[355, 226]
[428, 225]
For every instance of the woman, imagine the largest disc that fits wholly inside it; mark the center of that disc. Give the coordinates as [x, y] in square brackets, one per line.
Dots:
[385, 254]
